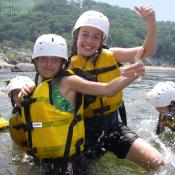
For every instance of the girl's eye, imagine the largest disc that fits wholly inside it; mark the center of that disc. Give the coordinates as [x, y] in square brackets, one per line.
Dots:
[85, 34]
[97, 37]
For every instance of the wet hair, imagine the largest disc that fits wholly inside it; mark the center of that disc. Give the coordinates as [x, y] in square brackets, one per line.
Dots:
[12, 101]
[37, 75]
[16, 109]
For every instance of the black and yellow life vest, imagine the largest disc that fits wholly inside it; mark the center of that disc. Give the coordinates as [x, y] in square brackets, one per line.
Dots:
[105, 69]
[16, 129]
[51, 132]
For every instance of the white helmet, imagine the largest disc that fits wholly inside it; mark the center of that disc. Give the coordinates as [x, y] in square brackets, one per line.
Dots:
[50, 45]
[93, 19]
[18, 83]
[162, 94]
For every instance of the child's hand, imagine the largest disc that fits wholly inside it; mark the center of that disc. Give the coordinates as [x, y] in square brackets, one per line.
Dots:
[147, 12]
[26, 90]
[134, 70]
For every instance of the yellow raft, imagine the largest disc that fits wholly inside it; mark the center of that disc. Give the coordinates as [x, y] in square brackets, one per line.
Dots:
[3, 123]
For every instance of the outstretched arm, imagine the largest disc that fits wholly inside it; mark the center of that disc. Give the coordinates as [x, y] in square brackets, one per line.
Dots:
[75, 83]
[150, 43]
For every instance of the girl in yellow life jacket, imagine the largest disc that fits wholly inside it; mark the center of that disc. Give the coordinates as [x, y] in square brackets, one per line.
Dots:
[162, 97]
[101, 117]
[50, 111]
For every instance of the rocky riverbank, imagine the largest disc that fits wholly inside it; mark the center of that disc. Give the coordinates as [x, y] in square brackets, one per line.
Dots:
[16, 60]
[28, 67]
[20, 67]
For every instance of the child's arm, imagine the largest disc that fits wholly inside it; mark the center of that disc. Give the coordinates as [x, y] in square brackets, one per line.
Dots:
[123, 55]
[77, 84]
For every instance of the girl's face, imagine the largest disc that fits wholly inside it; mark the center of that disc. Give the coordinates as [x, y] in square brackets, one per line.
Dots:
[48, 66]
[89, 40]
[14, 95]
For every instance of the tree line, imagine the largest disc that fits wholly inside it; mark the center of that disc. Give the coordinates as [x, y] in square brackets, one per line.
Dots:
[22, 21]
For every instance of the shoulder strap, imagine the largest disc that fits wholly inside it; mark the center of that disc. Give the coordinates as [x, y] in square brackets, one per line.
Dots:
[77, 71]
[78, 117]
[84, 74]
[122, 112]
[26, 104]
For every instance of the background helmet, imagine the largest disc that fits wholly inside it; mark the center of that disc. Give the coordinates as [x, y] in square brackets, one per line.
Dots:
[18, 83]
[93, 19]
[50, 45]
[162, 94]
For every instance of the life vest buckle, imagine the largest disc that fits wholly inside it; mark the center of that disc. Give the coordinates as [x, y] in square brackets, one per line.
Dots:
[27, 101]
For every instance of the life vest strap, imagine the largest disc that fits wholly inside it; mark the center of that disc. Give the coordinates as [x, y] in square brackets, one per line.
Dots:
[26, 103]
[102, 111]
[31, 151]
[78, 145]
[102, 70]
[69, 136]
[168, 120]
[86, 75]
[19, 126]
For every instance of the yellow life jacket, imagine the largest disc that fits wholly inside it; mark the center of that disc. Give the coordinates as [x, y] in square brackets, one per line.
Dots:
[16, 129]
[3, 123]
[52, 133]
[105, 69]
[168, 120]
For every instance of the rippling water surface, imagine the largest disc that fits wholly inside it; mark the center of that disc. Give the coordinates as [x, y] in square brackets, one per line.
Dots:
[141, 118]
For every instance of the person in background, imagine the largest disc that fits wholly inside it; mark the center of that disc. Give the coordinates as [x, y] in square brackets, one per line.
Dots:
[16, 88]
[162, 97]
[103, 129]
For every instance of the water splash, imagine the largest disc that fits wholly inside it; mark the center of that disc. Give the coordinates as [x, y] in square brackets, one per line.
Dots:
[168, 153]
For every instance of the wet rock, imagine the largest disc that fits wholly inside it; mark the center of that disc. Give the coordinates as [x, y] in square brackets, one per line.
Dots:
[4, 66]
[23, 67]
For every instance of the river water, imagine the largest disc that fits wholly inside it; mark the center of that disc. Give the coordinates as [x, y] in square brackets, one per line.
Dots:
[142, 119]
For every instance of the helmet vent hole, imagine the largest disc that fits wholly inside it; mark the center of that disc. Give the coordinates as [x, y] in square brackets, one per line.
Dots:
[52, 39]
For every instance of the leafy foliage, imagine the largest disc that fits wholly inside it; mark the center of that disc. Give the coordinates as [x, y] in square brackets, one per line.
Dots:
[27, 19]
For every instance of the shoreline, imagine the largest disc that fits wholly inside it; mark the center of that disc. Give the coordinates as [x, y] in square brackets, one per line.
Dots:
[28, 67]
[159, 69]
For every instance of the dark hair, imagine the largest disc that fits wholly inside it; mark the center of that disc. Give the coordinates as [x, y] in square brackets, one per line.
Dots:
[12, 101]
[172, 106]
[74, 44]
